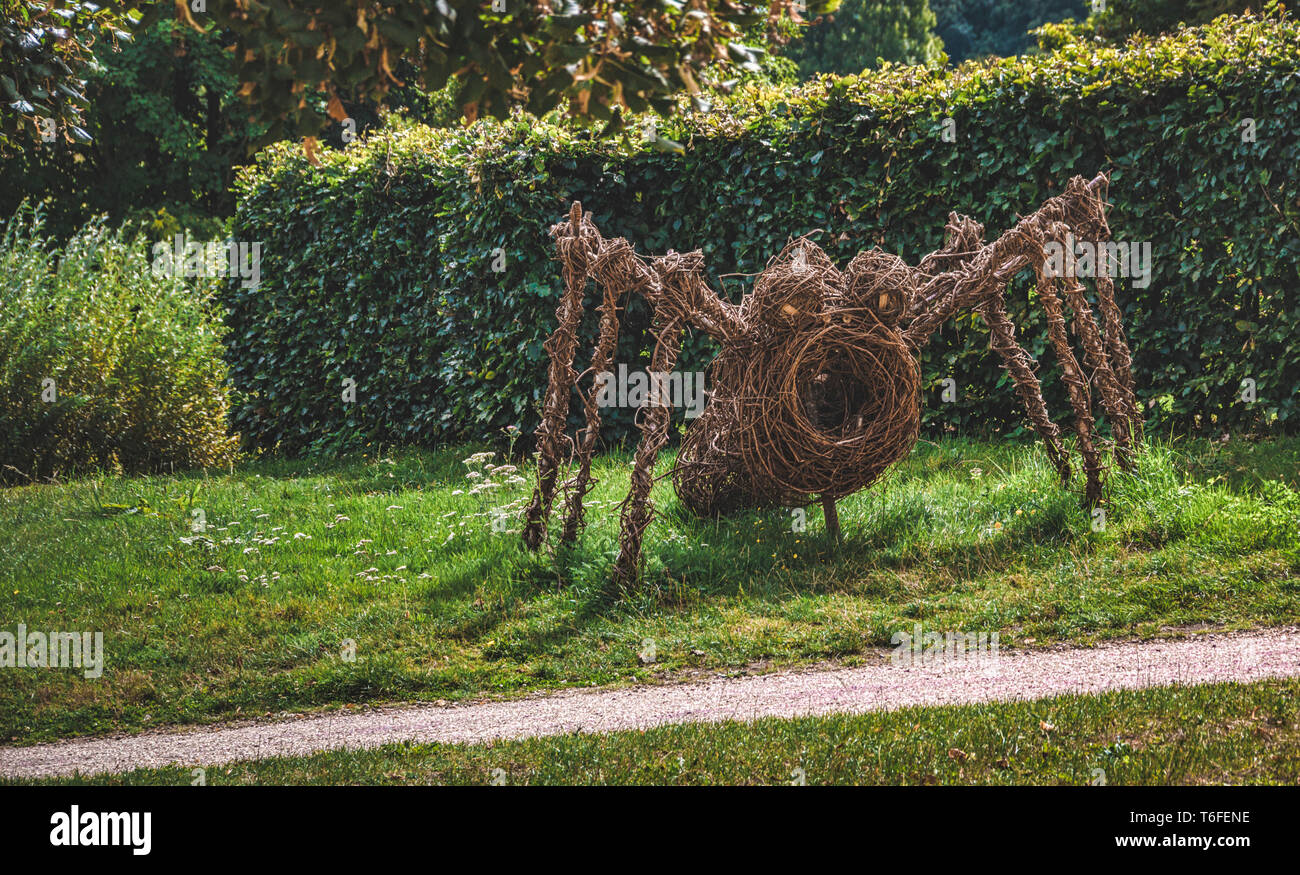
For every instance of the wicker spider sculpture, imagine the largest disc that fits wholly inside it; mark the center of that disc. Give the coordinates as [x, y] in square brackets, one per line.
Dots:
[816, 389]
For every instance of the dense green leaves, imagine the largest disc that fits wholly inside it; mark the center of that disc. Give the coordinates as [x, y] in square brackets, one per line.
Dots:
[378, 265]
[862, 33]
[979, 28]
[167, 133]
[46, 50]
[104, 363]
[589, 56]
[1121, 18]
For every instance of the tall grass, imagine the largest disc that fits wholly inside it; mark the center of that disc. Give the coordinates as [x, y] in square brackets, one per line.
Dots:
[103, 364]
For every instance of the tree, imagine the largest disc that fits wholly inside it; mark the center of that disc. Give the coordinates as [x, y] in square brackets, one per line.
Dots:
[977, 28]
[1122, 18]
[589, 56]
[166, 132]
[46, 50]
[864, 32]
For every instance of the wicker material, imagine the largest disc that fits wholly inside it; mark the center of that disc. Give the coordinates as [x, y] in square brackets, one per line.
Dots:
[816, 389]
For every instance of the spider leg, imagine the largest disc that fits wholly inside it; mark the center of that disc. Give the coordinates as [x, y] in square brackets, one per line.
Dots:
[1097, 358]
[1075, 382]
[1087, 216]
[619, 272]
[964, 238]
[561, 346]
[975, 275]
[1023, 369]
[637, 509]
[581, 483]
[680, 298]
[674, 288]
[1117, 348]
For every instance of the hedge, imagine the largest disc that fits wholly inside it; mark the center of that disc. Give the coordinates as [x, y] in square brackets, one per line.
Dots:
[378, 263]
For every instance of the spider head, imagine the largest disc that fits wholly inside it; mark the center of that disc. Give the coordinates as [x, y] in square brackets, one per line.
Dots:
[880, 283]
[793, 289]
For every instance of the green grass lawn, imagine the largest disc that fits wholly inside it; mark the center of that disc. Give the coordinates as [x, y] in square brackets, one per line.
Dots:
[398, 560]
[1217, 734]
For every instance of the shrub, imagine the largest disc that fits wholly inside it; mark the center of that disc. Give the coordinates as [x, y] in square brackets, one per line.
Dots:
[102, 363]
[1120, 19]
[378, 264]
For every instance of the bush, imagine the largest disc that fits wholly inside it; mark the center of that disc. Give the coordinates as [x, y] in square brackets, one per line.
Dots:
[1121, 19]
[102, 363]
[378, 264]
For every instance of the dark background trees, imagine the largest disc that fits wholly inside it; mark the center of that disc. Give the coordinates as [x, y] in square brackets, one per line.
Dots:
[152, 106]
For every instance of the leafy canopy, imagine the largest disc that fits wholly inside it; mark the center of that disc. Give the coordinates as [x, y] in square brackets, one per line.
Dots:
[589, 57]
[46, 48]
[862, 33]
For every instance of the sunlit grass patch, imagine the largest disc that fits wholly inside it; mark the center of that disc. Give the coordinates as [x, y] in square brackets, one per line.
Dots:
[314, 585]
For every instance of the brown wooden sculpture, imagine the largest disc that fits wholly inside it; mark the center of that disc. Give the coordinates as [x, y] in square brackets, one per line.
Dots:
[816, 389]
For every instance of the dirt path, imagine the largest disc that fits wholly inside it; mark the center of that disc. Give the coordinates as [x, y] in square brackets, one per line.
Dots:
[1012, 675]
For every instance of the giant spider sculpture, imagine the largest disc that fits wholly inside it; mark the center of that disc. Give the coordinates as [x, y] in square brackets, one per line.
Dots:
[816, 389]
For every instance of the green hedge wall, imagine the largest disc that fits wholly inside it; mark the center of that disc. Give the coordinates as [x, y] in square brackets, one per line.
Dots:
[378, 264]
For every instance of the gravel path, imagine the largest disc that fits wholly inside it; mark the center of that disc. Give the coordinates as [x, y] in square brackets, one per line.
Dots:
[1011, 675]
